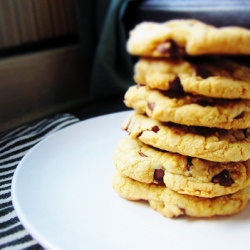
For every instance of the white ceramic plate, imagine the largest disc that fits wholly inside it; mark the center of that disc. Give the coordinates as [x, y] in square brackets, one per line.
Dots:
[62, 193]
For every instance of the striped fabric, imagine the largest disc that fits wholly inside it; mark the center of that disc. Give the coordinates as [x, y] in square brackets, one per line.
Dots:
[13, 146]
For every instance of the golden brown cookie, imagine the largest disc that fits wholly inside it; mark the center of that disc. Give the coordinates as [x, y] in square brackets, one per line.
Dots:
[200, 142]
[180, 173]
[191, 37]
[213, 77]
[191, 110]
[172, 204]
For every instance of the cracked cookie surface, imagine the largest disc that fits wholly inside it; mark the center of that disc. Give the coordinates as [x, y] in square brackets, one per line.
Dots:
[186, 37]
[200, 142]
[191, 110]
[172, 204]
[213, 77]
[180, 173]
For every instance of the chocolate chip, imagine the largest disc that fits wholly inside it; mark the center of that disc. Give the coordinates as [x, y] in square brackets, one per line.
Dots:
[183, 211]
[155, 129]
[207, 102]
[240, 116]
[125, 128]
[203, 72]
[170, 48]
[142, 154]
[246, 132]
[151, 105]
[158, 176]
[173, 94]
[139, 85]
[166, 48]
[206, 131]
[139, 134]
[176, 85]
[189, 163]
[223, 178]
[200, 130]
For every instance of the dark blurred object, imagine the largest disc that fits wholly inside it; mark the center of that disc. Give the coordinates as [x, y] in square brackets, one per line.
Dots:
[87, 62]
[215, 12]
[40, 71]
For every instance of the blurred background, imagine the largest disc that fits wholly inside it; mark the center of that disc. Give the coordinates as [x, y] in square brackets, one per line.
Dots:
[64, 55]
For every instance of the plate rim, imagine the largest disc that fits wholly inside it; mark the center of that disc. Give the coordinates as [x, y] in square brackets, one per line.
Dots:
[29, 227]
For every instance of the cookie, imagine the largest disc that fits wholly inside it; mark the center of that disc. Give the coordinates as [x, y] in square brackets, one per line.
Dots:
[172, 204]
[180, 173]
[186, 37]
[212, 77]
[200, 142]
[191, 110]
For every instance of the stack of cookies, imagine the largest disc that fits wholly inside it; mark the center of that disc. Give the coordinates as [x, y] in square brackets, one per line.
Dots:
[188, 146]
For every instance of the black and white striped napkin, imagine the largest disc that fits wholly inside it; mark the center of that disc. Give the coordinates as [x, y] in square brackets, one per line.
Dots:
[13, 146]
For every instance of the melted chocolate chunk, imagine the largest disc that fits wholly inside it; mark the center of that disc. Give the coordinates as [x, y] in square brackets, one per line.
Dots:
[240, 116]
[127, 125]
[173, 94]
[170, 48]
[189, 163]
[203, 72]
[139, 134]
[176, 85]
[246, 132]
[158, 176]
[202, 130]
[183, 210]
[207, 102]
[138, 85]
[205, 131]
[223, 178]
[142, 154]
[155, 129]
[151, 105]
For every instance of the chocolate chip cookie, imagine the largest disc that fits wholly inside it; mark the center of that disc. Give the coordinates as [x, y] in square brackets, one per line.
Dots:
[188, 146]
[175, 38]
[212, 77]
[191, 110]
[200, 142]
[172, 204]
[180, 173]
